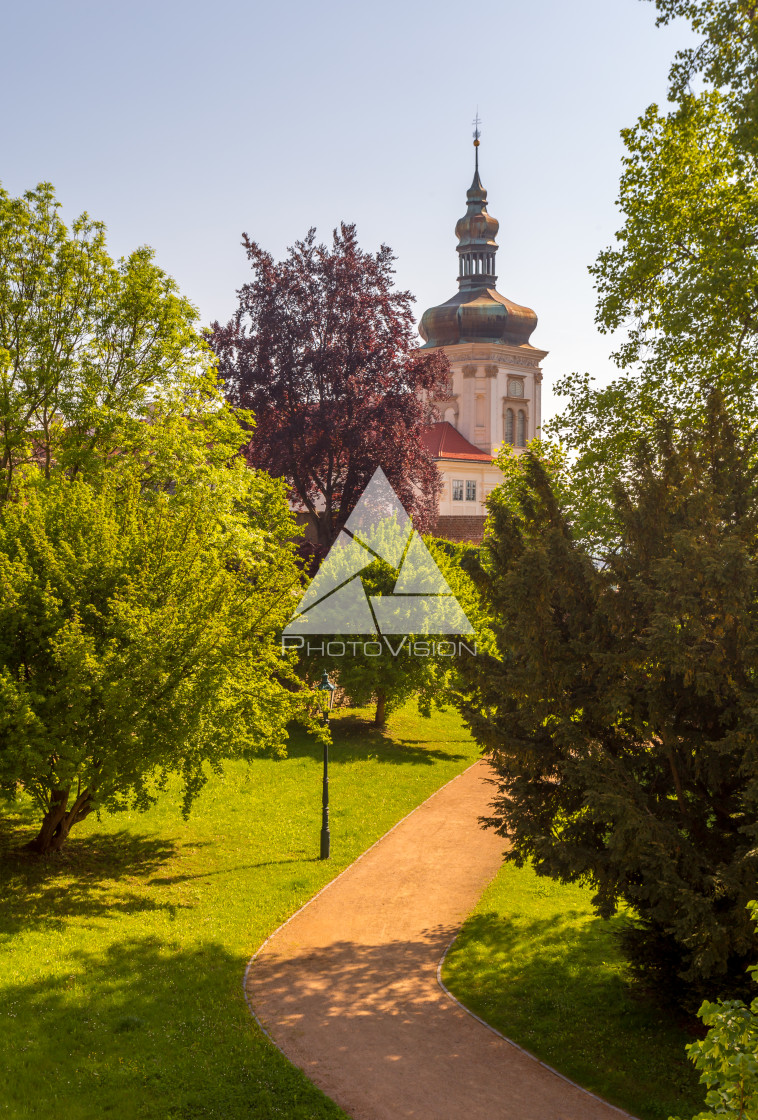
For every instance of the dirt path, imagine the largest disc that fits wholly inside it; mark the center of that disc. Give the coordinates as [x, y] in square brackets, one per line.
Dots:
[348, 987]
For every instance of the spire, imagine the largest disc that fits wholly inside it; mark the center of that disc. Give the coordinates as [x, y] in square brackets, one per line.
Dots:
[477, 312]
[476, 122]
[476, 232]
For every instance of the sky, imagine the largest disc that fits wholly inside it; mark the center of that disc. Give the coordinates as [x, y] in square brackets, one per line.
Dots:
[181, 125]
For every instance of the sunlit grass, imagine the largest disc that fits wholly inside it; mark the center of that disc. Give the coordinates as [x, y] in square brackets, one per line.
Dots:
[122, 958]
[534, 962]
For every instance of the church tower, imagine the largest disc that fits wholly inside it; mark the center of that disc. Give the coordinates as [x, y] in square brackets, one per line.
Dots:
[494, 393]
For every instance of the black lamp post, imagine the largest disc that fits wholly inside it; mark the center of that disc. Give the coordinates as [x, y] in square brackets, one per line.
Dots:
[327, 688]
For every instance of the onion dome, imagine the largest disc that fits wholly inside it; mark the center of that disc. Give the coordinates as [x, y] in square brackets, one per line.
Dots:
[477, 312]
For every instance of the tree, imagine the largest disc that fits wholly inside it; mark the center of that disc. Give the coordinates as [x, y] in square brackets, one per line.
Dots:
[399, 667]
[726, 57]
[93, 355]
[321, 350]
[138, 636]
[620, 703]
[681, 281]
[144, 571]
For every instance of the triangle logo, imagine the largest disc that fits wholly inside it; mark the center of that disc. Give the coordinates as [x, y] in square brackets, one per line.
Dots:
[422, 602]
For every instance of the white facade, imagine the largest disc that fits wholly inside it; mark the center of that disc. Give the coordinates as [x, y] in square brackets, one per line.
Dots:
[495, 398]
[489, 381]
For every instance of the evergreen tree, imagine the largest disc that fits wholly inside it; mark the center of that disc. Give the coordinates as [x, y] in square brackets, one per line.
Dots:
[621, 703]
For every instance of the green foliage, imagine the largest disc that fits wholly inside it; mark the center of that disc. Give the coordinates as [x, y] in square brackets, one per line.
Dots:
[409, 666]
[143, 570]
[620, 702]
[138, 635]
[515, 468]
[681, 286]
[680, 282]
[89, 350]
[728, 1055]
[726, 57]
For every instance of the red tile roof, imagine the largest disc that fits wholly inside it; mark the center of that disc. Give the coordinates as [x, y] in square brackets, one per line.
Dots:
[443, 441]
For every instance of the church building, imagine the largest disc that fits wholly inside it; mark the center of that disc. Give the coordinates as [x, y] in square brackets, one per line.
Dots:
[494, 393]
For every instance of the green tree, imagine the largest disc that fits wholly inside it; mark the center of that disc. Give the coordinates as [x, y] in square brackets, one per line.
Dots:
[680, 283]
[399, 667]
[620, 703]
[138, 637]
[92, 353]
[143, 570]
[728, 1055]
[726, 57]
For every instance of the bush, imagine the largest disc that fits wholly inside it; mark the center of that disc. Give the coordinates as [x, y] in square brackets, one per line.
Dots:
[728, 1055]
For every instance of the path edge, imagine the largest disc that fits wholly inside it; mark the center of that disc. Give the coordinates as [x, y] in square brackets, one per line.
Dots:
[326, 887]
[515, 1045]
[446, 990]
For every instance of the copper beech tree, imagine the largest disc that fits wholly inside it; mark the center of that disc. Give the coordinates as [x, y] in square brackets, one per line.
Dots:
[322, 350]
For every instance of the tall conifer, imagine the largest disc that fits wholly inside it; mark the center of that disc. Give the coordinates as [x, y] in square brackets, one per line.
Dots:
[621, 702]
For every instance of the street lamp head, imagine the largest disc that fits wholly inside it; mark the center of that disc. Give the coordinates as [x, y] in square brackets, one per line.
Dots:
[327, 687]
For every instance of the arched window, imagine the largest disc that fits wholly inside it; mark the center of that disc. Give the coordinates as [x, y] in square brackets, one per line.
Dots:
[509, 426]
[521, 430]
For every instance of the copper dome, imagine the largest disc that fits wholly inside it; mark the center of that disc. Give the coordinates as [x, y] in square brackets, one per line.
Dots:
[477, 315]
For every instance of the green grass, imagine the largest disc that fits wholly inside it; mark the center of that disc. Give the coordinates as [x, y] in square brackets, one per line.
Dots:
[121, 959]
[535, 963]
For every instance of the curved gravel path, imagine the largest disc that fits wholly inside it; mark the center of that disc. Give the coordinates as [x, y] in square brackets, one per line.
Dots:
[348, 988]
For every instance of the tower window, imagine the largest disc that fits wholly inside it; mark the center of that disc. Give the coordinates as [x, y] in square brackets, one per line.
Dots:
[457, 489]
[521, 428]
[509, 426]
[470, 490]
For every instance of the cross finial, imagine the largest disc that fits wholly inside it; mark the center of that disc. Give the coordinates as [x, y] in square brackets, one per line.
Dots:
[476, 122]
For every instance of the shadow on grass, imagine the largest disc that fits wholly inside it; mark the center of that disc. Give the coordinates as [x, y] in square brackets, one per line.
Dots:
[355, 740]
[557, 986]
[89, 877]
[169, 880]
[144, 1029]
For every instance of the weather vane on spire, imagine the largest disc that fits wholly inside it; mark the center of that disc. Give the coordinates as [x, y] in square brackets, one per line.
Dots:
[476, 122]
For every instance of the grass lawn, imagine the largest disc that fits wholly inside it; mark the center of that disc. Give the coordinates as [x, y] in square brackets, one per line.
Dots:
[534, 962]
[123, 957]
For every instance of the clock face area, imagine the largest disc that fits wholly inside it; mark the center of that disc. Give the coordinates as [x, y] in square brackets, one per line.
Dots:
[515, 388]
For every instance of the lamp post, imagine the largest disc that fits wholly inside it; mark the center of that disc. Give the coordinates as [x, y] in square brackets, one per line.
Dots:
[327, 689]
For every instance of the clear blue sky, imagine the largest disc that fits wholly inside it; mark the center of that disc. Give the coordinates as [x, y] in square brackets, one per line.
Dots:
[182, 124]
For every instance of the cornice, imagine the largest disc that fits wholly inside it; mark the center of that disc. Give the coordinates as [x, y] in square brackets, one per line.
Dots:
[527, 357]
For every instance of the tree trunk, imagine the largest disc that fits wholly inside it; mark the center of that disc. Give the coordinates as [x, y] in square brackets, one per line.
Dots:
[58, 821]
[325, 534]
[380, 717]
